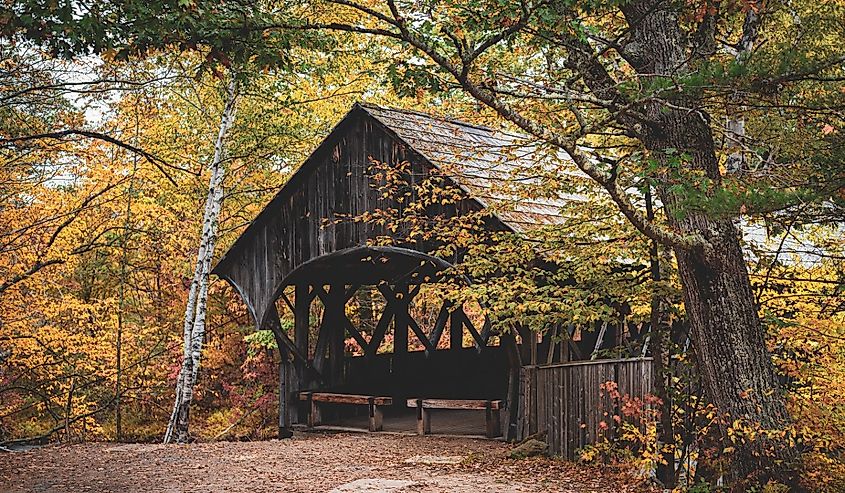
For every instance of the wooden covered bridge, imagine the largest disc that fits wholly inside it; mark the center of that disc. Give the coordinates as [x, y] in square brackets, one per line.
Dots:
[302, 251]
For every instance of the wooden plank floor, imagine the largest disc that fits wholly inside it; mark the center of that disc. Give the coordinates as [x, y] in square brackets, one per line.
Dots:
[443, 421]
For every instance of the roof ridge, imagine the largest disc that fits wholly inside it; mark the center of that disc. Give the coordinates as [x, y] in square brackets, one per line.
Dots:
[448, 119]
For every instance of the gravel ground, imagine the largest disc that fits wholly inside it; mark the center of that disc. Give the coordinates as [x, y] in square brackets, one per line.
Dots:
[313, 462]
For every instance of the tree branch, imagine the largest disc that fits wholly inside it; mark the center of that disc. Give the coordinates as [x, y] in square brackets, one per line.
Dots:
[159, 163]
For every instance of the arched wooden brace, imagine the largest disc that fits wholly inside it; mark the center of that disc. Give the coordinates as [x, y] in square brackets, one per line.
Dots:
[313, 372]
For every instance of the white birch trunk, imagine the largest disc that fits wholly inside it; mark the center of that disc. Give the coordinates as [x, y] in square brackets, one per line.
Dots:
[195, 311]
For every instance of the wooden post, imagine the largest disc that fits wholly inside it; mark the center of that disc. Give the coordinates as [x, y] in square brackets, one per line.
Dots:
[301, 313]
[400, 340]
[275, 325]
[512, 405]
[423, 419]
[284, 392]
[456, 329]
[336, 303]
[400, 320]
[525, 346]
[314, 417]
[376, 416]
[492, 421]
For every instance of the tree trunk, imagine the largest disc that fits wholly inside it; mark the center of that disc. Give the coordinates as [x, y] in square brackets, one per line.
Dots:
[729, 339]
[195, 311]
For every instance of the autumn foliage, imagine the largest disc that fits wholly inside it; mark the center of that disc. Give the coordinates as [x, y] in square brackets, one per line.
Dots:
[107, 124]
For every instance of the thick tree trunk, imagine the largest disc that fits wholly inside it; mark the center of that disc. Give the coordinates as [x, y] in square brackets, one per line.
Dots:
[732, 356]
[729, 338]
[195, 311]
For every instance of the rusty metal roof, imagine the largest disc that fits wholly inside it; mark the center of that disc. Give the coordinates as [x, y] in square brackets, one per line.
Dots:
[499, 168]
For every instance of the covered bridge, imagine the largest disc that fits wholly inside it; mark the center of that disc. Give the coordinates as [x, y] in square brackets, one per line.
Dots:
[303, 248]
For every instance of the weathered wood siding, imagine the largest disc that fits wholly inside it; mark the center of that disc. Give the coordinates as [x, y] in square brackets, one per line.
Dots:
[310, 215]
[565, 401]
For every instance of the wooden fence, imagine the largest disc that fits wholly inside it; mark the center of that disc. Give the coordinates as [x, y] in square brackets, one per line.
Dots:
[565, 400]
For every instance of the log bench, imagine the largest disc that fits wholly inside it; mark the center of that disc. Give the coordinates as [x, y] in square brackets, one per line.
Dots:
[372, 402]
[492, 410]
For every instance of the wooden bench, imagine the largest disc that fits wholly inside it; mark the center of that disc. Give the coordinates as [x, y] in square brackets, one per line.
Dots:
[492, 412]
[373, 402]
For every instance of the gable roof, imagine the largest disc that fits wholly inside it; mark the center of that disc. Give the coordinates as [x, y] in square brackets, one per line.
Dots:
[492, 165]
[483, 161]
[489, 164]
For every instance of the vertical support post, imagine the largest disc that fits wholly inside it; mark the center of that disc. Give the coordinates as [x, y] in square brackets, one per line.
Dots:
[512, 405]
[336, 304]
[400, 339]
[400, 320]
[314, 417]
[566, 340]
[275, 325]
[301, 314]
[456, 329]
[525, 346]
[284, 392]
[376, 416]
[423, 419]
[492, 421]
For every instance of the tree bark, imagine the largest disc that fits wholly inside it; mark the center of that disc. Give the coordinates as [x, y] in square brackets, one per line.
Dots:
[728, 336]
[195, 311]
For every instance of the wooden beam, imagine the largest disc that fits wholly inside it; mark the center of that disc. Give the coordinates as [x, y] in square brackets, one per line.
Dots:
[376, 416]
[514, 365]
[486, 330]
[322, 340]
[551, 334]
[281, 336]
[492, 421]
[380, 331]
[524, 346]
[455, 403]
[285, 407]
[420, 334]
[479, 342]
[336, 304]
[389, 295]
[570, 331]
[274, 324]
[301, 324]
[350, 291]
[301, 317]
[337, 398]
[423, 417]
[328, 296]
[440, 324]
[400, 320]
[287, 301]
[456, 329]
[413, 293]
[355, 333]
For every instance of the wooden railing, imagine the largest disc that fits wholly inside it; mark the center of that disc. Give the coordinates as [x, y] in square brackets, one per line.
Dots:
[566, 402]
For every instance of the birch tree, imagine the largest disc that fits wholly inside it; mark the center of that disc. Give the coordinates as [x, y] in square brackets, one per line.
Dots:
[195, 310]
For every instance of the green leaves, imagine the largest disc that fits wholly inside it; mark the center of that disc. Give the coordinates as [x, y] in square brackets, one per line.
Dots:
[226, 32]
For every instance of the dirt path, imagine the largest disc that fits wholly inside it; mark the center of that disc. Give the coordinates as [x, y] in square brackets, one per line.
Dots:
[308, 462]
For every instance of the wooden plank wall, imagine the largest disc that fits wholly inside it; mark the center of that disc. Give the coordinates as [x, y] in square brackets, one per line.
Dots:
[312, 215]
[565, 400]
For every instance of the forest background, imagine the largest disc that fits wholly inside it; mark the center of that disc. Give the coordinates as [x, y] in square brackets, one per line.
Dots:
[104, 176]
